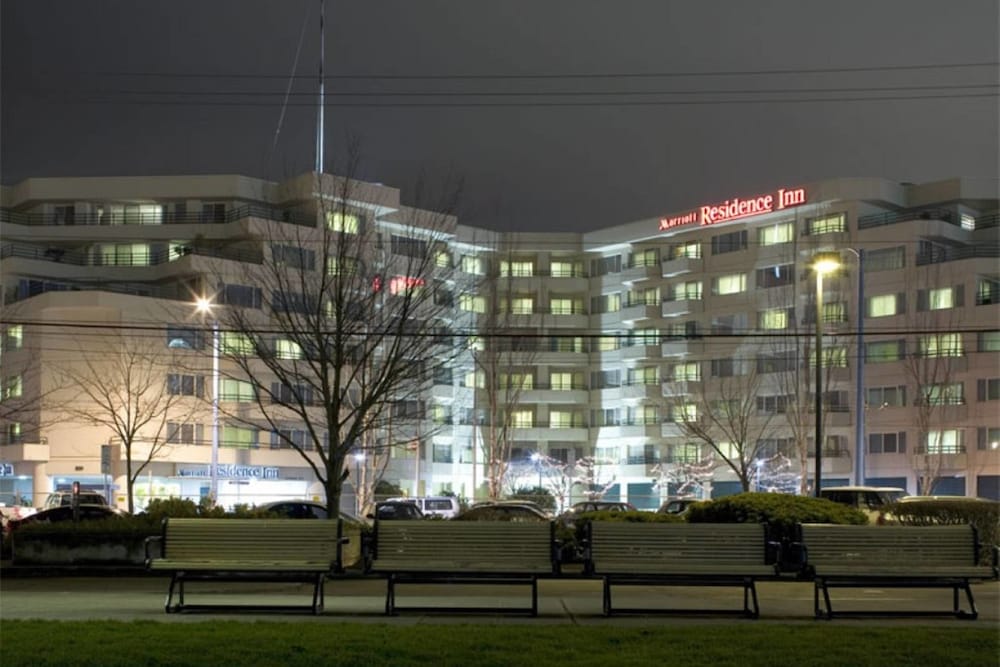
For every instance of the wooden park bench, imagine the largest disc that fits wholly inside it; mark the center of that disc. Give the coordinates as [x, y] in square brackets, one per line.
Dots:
[679, 554]
[839, 556]
[463, 552]
[260, 550]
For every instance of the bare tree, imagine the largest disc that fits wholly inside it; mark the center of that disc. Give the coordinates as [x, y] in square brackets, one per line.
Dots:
[123, 385]
[685, 478]
[723, 414]
[503, 355]
[353, 314]
[592, 475]
[931, 363]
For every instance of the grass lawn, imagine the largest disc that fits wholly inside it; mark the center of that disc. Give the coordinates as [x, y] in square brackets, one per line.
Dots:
[289, 644]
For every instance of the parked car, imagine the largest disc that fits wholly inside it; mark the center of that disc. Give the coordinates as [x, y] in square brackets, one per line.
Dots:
[677, 506]
[395, 510]
[446, 507]
[867, 499]
[601, 506]
[504, 511]
[63, 498]
[303, 509]
[87, 512]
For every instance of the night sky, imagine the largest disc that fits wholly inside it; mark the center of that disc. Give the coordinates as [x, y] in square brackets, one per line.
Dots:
[559, 114]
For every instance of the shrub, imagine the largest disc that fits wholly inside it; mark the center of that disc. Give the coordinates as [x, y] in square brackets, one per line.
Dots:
[984, 515]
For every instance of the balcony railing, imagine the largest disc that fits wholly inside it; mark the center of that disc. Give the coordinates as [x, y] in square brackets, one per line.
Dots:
[891, 218]
[89, 258]
[161, 218]
[952, 253]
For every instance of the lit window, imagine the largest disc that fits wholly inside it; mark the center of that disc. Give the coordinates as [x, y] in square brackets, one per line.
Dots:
[474, 379]
[517, 381]
[967, 221]
[731, 284]
[14, 433]
[944, 442]
[561, 381]
[560, 419]
[647, 257]
[828, 224]
[472, 264]
[607, 343]
[237, 390]
[833, 357]
[475, 343]
[235, 436]
[287, 349]
[346, 223]
[336, 266]
[883, 305]
[442, 259]
[565, 306]
[952, 393]
[941, 345]
[783, 232]
[13, 387]
[518, 268]
[562, 269]
[472, 303]
[884, 351]
[688, 412]
[15, 337]
[687, 372]
[939, 299]
[685, 251]
[773, 318]
[522, 419]
[405, 284]
[124, 254]
[522, 305]
[687, 291]
[236, 343]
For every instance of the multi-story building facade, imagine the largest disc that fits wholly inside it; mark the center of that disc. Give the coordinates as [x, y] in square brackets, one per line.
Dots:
[614, 346]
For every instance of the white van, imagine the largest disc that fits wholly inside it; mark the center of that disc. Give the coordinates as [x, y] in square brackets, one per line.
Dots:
[443, 506]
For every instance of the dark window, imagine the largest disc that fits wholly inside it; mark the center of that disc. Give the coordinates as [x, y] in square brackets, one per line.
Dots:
[776, 276]
[241, 295]
[185, 385]
[410, 247]
[184, 338]
[731, 242]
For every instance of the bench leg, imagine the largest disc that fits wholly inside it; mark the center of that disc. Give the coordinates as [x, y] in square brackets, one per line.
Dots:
[318, 599]
[817, 585]
[607, 597]
[390, 596]
[168, 607]
[750, 591]
[534, 596]
[973, 613]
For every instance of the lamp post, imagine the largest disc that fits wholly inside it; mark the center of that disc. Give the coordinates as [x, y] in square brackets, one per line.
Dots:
[859, 374]
[359, 457]
[823, 264]
[204, 306]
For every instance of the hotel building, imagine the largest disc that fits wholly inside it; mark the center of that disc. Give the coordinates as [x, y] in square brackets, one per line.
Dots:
[641, 331]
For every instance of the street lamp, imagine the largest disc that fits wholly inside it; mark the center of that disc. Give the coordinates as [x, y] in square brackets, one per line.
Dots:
[859, 388]
[536, 458]
[822, 265]
[204, 306]
[359, 458]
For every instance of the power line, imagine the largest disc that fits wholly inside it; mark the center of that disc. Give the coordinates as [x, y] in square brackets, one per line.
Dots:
[553, 75]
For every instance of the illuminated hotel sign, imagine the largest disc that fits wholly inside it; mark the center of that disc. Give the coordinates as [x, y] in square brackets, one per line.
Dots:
[736, 208]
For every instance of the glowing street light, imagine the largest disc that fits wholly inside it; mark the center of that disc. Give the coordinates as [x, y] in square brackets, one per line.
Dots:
[822, 265]
[536, 458]
[204, 306]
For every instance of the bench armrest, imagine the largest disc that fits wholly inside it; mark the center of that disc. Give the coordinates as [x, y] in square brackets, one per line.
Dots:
[148, 542]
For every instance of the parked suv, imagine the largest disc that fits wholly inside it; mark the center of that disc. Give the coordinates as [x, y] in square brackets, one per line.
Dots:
[868, 499]
[63, 498]
[442, 506]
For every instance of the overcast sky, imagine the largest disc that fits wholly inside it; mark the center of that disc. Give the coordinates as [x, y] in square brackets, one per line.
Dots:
[559, 114]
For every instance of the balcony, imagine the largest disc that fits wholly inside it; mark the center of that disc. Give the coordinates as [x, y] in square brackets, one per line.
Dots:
[677, 307]
[635, 274]
[640, 391]
[682, 265]
[682, 347]
[639, 311]
[213, 217]
[637, 352]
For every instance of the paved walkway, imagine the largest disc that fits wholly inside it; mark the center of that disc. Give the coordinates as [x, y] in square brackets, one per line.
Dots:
[127, 598]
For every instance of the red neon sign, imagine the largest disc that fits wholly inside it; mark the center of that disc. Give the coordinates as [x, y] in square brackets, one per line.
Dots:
[399, 284]
[737, 208]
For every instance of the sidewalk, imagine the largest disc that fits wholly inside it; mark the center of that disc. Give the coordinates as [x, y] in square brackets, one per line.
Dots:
[360, 599]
